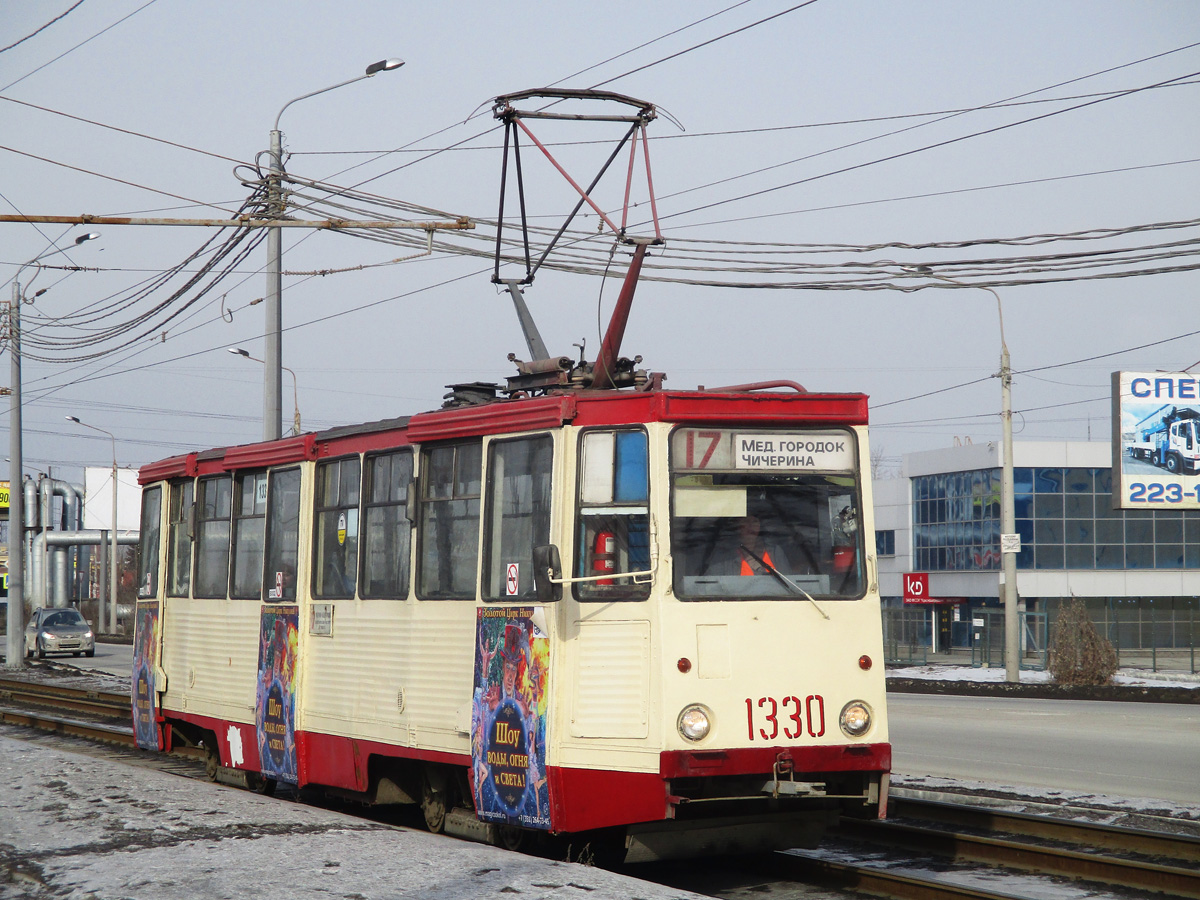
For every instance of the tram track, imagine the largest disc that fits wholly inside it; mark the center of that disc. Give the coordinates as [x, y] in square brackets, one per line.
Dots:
[930, 850]
[94, 715]
[981, 846]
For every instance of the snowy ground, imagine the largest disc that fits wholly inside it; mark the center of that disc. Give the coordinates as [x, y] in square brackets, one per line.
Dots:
[78, 826]
[1132, 677]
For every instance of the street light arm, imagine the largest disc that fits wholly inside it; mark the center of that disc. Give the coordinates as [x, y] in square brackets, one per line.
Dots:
[1012, 619]
[83, 238]
[385, 65]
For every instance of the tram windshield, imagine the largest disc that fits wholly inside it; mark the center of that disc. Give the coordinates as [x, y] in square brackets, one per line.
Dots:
[765, 515]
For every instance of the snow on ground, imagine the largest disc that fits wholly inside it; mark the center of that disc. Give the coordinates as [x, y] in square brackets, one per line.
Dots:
[81, 826]
[1133, 677]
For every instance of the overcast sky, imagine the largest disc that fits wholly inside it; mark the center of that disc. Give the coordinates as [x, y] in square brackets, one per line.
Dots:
[825, 145]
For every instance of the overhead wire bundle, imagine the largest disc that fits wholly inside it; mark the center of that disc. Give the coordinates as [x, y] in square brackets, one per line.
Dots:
[131, 316]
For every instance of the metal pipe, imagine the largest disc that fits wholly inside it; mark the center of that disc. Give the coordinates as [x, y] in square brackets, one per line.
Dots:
[31, 503]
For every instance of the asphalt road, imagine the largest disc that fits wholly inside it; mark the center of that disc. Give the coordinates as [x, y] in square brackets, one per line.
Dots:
[1149, 750]
[116, 659]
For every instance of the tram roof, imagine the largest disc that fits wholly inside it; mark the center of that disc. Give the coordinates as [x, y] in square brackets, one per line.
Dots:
[583, 409]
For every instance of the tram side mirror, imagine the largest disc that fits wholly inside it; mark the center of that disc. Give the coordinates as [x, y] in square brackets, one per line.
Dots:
[547, 564]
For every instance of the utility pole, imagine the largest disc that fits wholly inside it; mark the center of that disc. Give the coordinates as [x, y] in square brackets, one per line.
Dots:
[1010, 541]
[273, 374]
[14, 646]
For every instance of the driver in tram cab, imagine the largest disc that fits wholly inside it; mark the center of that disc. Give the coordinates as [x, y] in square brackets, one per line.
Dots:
[754, 557]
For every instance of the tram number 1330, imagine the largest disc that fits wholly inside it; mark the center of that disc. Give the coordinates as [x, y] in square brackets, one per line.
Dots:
[764, 715]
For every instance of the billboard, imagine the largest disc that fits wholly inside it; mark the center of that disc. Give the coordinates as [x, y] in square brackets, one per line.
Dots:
[97, 504]
[1156, 440]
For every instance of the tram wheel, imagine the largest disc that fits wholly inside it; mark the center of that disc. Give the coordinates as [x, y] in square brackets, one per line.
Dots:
[433, 803]
[212, 760]
[510, 837]
[260, 785]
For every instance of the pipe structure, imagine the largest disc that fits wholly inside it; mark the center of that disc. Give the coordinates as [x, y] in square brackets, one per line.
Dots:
[65, 539]
[51, 588]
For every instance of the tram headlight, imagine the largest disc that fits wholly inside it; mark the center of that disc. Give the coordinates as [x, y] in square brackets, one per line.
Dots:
[855, 718]
[694, 722]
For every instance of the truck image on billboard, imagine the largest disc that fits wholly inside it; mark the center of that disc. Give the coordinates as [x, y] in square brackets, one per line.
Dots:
[1156, 440]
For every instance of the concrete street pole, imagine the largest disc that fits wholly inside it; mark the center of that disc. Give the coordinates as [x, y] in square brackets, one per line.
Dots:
[272, 394]
[1009, 540]
[273, 374]
[1008, 517]
[14, 645]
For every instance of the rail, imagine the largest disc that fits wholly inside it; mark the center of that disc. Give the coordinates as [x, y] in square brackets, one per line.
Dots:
[1135, 859]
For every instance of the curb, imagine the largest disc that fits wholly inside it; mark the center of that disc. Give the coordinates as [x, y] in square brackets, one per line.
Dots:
[1118, 692]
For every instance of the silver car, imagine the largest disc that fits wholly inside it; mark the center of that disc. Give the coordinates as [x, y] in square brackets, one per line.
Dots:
[58, 631]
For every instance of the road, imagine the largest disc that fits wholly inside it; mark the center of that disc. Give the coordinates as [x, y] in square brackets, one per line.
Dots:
[1149, 750]
[115, 659]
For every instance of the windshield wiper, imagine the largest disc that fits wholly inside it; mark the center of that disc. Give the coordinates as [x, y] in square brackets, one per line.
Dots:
[766, 564]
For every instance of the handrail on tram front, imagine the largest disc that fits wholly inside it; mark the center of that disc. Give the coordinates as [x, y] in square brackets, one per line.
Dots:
[607, 575]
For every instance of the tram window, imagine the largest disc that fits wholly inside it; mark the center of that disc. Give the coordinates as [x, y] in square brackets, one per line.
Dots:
[448, 539]
[518, 514]
[179, 539]
[387, 532]
[283, 534]
[744, 525]
[214, 503]
[335, 562]
[249, 528]
[613, 529]
[147, 585]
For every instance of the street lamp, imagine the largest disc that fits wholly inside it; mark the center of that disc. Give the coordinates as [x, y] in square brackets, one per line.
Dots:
[272, 389]
[112, 559]
[14, 648]
[295, 388]
[1008, 517]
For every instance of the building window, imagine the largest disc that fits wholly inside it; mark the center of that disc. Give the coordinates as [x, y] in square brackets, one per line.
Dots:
[885, 543]
[1065, 518]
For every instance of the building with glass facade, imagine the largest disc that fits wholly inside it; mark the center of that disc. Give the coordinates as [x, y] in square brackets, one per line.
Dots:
[942, 516]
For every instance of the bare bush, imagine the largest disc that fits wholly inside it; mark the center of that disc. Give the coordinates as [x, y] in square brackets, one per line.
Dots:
[1078, 653]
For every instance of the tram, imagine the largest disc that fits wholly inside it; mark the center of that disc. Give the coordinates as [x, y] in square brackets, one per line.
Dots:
[652, 611]
[576, 604]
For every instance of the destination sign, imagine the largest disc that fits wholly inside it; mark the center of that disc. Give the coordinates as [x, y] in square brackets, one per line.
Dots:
[717, 449]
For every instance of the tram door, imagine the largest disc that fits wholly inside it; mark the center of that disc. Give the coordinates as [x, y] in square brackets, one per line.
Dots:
[147, 630]
[277, 493]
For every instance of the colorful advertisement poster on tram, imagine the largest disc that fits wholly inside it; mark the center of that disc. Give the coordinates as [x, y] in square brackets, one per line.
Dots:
[275, 712]
[146, 732]
[508, 717]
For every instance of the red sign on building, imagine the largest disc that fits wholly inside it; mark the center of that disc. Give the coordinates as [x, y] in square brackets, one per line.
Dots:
[916, 588]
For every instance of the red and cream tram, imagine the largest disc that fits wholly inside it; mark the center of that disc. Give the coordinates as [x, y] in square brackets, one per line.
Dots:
[646, 611]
